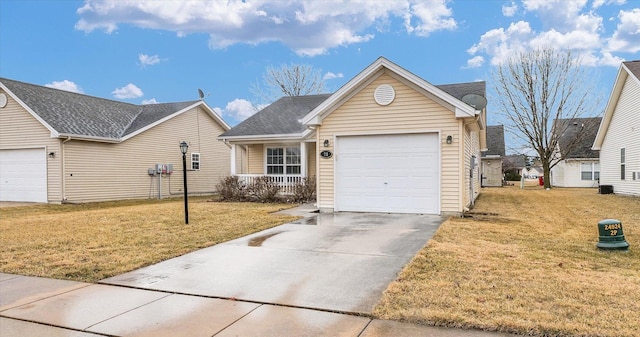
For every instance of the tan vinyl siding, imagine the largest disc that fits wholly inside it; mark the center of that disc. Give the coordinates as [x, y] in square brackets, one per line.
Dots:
[20, 130]
[311, 159]
[411, 111]
[102, 171]
[256, 158]
[623, 132]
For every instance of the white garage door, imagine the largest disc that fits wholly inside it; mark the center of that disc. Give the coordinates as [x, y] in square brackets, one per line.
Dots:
[388, 173]
[23, 175]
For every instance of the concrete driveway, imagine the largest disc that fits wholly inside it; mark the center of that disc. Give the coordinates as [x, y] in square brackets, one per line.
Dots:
[338, 262]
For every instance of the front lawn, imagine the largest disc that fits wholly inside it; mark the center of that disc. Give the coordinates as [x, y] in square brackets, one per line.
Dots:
[89, 242]
[526, 261]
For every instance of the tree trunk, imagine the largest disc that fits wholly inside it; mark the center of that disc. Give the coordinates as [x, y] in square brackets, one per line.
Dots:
[547, 175]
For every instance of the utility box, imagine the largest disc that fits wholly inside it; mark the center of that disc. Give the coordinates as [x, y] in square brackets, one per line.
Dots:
[605, 189]
[611, 236]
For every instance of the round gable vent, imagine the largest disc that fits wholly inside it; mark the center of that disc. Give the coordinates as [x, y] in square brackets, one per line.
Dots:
[384, 94]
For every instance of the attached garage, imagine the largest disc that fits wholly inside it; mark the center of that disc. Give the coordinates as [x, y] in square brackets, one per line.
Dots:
[23, 175]
[395, 173]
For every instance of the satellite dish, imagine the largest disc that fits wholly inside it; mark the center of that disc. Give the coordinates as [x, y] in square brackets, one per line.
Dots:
[200, 94]
[475, 100]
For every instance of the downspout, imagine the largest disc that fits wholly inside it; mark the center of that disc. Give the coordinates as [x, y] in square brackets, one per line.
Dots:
[64, 170]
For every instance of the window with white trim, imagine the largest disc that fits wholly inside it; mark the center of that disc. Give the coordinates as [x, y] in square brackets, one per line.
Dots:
[195, 161]
[623, 165]
[283, 160]
[590, 171]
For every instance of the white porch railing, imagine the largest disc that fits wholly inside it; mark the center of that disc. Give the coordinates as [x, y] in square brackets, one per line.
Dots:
[285, 182]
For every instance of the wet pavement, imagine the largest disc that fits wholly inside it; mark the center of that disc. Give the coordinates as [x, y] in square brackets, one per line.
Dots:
[319, 276]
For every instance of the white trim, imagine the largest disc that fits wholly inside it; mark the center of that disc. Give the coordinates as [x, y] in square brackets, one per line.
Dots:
[233, 159]
[284, 147]
[303, 159]
[177, 113]
[54, 132]
[612, 103]
[315, 116]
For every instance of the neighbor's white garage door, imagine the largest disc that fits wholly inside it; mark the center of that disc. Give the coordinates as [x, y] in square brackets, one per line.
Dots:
[23, 175]
[388, 173]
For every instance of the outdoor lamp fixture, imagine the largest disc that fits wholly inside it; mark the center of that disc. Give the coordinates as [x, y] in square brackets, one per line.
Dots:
[52, 154]
[183, 148]
[449, 139]
[326, 143]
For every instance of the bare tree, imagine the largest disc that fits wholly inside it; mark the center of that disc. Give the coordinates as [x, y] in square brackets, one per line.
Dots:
[534, 89]
[288, 80]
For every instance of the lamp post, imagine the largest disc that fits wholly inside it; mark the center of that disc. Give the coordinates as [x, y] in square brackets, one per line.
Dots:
[183, 148]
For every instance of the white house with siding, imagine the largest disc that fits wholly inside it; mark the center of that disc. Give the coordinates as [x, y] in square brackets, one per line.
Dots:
[57, 146]
[387, 141]
[618, 138]
[579, 165]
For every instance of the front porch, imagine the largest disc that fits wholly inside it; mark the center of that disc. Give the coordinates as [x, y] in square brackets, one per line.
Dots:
[286, 163]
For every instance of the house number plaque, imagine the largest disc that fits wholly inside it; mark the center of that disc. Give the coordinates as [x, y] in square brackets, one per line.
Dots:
[326, 154]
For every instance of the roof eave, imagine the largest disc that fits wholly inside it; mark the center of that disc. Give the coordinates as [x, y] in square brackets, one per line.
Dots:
[623, 73]
[90, 138]
[263, 138]
[54, 132]
[315, 116]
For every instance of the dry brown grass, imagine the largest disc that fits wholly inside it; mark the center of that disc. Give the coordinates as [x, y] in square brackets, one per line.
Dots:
[89, 242]
[526, 262]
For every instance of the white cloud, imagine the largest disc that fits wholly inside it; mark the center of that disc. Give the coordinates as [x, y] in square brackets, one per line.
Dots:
[474, 62]
[146, 60]
[239, 109]
[626, 38]
[149, 101]
[509, 10]
[309, 27]
[65, 85]
[128, 91]
[569, 25]
[330, 76]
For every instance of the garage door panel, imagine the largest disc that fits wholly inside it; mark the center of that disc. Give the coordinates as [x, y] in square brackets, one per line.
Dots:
[23, 175]
[387, 173]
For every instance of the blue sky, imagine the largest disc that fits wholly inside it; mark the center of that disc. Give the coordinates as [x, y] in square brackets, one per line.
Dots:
[163, 51]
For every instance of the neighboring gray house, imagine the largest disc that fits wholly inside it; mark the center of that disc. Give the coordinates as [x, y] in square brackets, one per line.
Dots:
[491, 160]
[618, 138]
[581, 165]
[58, 146]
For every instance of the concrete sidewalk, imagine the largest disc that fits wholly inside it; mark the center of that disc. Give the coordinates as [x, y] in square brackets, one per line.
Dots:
[31, 306]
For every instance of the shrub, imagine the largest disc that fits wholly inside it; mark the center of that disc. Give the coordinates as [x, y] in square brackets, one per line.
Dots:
[512, 175]
[263, 189]
[231, 189]
[304, 190]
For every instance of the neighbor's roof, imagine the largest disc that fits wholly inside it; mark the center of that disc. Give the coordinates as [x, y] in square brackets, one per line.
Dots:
[67, 113]
[283, 117]
[514, 160]
[495, 141]
[280, 118]
[629, 68]
[580, 130]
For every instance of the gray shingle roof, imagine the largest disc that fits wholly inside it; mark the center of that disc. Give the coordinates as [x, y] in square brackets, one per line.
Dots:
[634, 67]
[279, 118]
[282, 116]
[83, 115]
[458, 90]
[495, 141]
[580, 130]
[514, 161]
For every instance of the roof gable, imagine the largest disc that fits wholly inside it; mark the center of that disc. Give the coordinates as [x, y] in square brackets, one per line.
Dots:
[495, 141]
[71, 114]
[373, 71]
[630, 68]
[580, 130]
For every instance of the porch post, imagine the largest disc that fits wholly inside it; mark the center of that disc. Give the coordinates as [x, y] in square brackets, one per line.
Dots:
[233, 159]
[303, 159]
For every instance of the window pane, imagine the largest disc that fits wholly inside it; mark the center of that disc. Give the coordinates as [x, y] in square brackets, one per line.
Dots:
[586, 175]
[274, 170]
[293, 155]
[293, 169]
[622, 172]
[596, 175]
